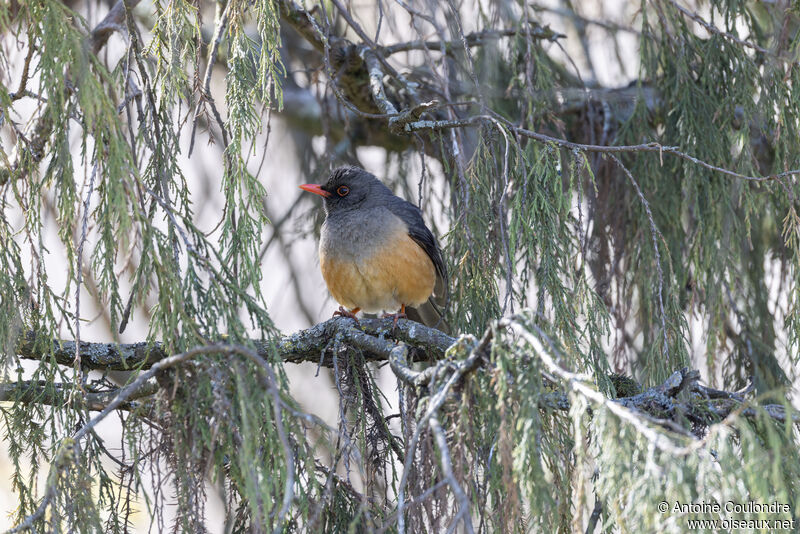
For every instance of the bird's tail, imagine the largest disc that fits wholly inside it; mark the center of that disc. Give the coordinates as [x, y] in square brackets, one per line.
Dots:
[430, 314]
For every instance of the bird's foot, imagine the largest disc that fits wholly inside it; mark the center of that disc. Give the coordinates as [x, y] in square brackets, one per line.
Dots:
[396, 316]
[342, 312]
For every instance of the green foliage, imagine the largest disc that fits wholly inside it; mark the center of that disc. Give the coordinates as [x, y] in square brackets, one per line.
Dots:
[139, 208]
[608, 260]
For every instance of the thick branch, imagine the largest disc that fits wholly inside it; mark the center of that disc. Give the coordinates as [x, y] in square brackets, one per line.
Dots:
[58, 394]
[375, 336]
[410, 341]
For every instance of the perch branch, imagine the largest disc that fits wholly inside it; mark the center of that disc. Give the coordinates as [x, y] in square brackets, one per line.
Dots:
[407, 343]
[373, 335]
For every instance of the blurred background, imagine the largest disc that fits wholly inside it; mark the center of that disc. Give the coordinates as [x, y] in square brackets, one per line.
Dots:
[583, 82]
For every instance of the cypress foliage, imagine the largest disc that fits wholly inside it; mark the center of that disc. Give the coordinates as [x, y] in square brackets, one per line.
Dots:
[602, 241]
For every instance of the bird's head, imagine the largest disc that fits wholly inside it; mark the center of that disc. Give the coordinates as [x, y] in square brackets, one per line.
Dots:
[349, 188]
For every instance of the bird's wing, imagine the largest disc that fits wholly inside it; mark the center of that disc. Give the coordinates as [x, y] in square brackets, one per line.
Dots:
[412, 216]
[431, 312]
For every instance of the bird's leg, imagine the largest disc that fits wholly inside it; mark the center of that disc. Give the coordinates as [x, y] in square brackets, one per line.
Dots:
[396, 316]
[342, 312]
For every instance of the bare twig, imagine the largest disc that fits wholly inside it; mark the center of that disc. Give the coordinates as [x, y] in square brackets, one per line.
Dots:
[607, 149]
[66, 451]
[655, 234]
[472, 39]
[447, 469]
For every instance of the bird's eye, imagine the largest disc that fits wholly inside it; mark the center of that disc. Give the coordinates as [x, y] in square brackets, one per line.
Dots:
[342, 190]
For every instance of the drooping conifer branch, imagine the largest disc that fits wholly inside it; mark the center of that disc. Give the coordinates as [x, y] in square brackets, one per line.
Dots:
[95, 41]
[409, 342]
[539, 214]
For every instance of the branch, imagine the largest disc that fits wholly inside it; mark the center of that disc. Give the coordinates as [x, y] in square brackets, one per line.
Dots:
[376, 82]
[60, 394]
[373, 335]
[702, 407]
[472, 39]
[409, 342]
[606, 149]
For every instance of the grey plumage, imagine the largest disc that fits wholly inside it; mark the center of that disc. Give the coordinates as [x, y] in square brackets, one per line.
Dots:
[362, 219]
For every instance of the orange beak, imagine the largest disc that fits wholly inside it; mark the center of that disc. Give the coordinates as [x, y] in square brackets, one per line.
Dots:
[316, 189]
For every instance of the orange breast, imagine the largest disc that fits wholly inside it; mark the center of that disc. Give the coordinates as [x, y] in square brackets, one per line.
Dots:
[398, 272]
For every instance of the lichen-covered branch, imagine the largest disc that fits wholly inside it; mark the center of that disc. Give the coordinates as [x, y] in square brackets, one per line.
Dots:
[680, 405]
[402, 346]
[373, 335]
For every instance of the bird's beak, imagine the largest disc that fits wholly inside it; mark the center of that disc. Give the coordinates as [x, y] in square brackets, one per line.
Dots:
[316, 189]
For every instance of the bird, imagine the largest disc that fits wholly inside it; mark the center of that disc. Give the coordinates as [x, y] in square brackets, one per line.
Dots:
[375, 251]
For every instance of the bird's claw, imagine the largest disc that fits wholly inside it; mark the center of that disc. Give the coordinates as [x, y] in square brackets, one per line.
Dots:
[395, 317]
[342, 312]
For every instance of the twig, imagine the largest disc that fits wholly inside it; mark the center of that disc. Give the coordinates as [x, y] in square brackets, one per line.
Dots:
[68, 447]
[447, 469]
[655, 235]
[472, 39]
[598, 509]
[611, 27]
[79, 269]
[213, 51]
[390, 520]
[23, 82]
[607, 149]
[713, 29]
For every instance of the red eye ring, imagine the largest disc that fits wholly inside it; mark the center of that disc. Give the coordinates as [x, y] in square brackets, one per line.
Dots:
[342, 190]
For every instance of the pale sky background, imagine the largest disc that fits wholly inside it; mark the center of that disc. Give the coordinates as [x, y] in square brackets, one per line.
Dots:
[281, 175]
